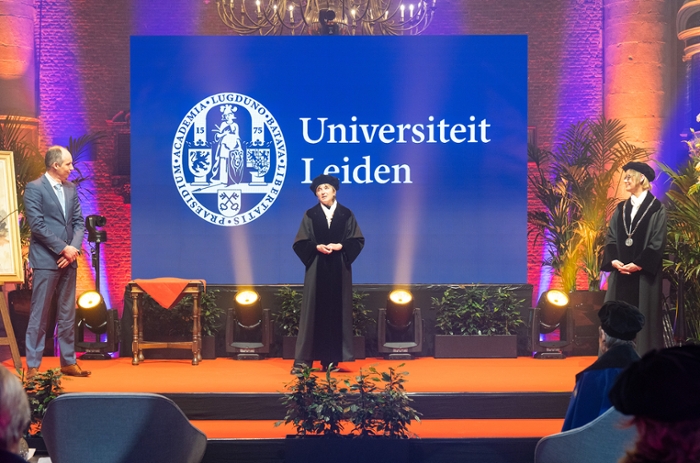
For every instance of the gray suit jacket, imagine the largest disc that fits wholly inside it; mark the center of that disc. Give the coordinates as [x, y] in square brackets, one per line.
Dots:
[51, 230]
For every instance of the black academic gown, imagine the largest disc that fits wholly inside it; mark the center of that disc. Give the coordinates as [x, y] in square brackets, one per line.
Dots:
[9, 457]
[641, 289]
[325, 327]
[590, 397]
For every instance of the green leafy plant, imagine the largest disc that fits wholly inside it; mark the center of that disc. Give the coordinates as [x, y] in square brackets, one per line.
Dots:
[287, 318]
[314, 407]
[683, 241]
[393, 405]
[694, 153]
[361, 315]
[322, 408]
[572, 183]
[477, 310]
[41, 390]
[363, 407]
[178, 320]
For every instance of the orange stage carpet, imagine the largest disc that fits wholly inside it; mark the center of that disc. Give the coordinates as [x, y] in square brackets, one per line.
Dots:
[492, 381]
[522, 374]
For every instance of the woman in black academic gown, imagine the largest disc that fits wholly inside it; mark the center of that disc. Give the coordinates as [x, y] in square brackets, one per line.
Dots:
[634, 252]
[328, 242]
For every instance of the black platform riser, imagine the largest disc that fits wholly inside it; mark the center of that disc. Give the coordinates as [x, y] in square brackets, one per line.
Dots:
[488, 450]
[535, 405]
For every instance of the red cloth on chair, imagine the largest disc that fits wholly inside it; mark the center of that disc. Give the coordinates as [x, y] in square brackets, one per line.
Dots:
[165, 291]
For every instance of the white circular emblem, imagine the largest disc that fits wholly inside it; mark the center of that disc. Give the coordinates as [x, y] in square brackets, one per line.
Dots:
[229, 159]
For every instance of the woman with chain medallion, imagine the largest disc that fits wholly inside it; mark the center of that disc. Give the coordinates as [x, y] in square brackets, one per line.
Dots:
[634, 252]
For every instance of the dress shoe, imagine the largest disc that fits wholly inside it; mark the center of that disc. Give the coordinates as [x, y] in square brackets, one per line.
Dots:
[31, 373]
[74, 370]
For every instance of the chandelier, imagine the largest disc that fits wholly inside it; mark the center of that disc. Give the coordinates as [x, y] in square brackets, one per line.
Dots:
[326, 17]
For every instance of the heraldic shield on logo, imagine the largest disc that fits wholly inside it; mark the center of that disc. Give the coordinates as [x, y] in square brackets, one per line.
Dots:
[229, 159]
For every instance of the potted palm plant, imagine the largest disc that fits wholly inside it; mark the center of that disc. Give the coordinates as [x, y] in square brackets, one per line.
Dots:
[683, 243]
[476, 321]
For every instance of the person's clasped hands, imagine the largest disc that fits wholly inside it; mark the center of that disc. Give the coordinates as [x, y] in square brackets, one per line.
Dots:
[329, 248]
[626, 269]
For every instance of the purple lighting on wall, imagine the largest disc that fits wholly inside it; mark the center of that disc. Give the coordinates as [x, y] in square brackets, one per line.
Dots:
[177, 17]
[61, 87]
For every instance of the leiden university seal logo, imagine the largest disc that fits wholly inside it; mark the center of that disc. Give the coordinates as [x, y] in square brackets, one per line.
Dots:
[229, 159]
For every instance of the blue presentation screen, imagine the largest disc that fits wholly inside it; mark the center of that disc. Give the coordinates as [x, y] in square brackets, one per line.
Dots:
[427, 135]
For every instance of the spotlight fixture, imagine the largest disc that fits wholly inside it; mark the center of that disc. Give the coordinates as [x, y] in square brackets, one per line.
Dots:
[400, 327]
[551, 314]
[248, 327]
[92, 314]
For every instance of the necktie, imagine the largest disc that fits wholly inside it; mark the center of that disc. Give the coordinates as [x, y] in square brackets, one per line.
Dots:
[61, 197]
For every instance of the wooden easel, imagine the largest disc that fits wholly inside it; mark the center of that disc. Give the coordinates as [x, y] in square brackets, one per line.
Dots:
[9, 338]
[8, 187]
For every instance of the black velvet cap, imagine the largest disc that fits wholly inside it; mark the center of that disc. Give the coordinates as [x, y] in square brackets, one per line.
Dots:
[321, 179]
[642, 168]
[620, 320]
[664, 386]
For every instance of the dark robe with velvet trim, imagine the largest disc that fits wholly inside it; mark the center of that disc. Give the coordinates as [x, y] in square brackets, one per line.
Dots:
[590, 397]
[641, 289]
[9, 457]
[325, 327]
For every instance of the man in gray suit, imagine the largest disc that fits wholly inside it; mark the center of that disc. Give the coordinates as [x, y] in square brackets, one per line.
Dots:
[56, 221]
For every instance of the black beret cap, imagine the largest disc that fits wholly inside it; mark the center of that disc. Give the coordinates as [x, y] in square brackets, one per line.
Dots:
[642, 168]
[620, 320]
[664, 386]
[323, 179]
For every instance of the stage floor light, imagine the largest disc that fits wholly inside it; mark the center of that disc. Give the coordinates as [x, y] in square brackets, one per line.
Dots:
[92, 313]
[248, 327]
[553, 305]
[400, 327]
[248, 309]
[399, 310]
[552, 313]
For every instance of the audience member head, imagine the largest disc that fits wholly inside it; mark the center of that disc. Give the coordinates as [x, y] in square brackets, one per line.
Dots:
[619, 324]
[14, 411]
[662, 392]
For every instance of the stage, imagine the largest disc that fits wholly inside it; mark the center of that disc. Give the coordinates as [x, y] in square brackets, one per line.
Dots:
[494, 408]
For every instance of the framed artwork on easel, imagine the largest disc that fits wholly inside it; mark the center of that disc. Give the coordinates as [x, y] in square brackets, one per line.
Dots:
[11, 270]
